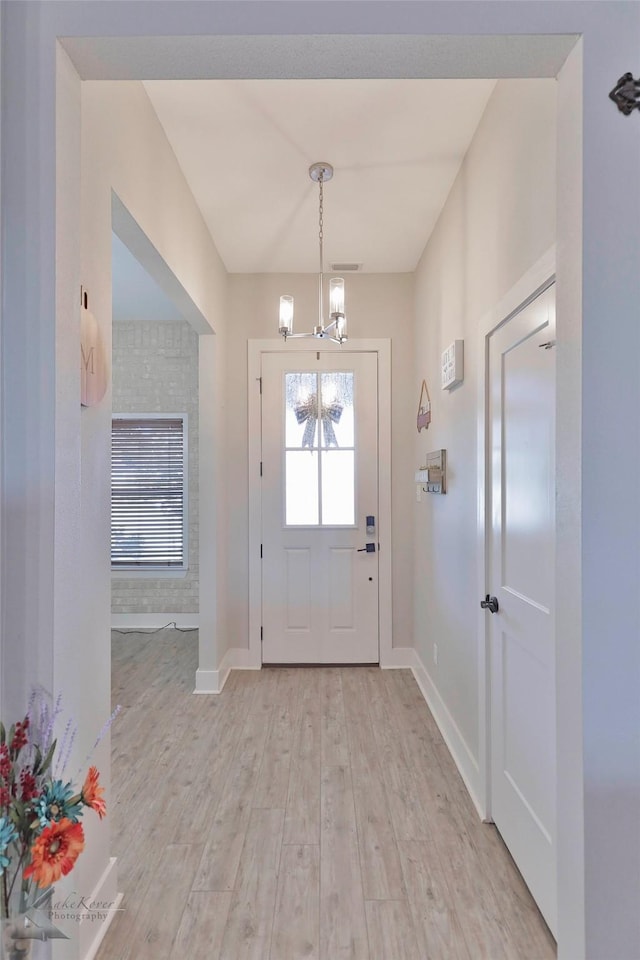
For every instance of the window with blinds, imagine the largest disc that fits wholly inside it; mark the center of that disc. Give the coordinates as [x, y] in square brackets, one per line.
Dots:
[149, 492]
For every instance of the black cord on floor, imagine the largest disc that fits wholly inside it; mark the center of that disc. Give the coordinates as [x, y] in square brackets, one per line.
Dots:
[157, 629]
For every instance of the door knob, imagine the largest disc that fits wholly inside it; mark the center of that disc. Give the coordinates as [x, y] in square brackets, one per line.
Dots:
[370, 548]
[490, 603]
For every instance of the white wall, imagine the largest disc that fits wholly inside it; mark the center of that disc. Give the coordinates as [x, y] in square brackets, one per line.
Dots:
[569, 704]
[498, 221]
[610, 528]
[378, 306]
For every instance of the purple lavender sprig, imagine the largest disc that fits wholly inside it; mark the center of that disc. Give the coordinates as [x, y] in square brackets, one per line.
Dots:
[42, 717]
[66, 746]
[100, 737]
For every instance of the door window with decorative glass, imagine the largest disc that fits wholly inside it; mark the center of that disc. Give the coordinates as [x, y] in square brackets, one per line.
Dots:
[319, 448]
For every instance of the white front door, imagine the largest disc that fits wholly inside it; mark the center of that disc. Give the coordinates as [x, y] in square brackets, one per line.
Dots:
[521, 576]
[319, 487]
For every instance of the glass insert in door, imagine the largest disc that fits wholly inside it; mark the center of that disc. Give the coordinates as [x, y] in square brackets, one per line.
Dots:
[319, 450]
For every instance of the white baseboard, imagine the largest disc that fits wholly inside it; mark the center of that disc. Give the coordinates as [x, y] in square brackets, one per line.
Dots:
[152, 621]
[399, 658]
[91, 933]
[458, 748]
[213, 681]
[240, 658]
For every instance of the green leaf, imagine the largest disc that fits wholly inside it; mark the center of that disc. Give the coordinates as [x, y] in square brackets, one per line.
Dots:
[3, 733]
[18, 806]
[48, 758]
[37, 761]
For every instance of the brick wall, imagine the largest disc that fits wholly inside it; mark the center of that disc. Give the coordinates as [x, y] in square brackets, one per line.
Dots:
[155, 370]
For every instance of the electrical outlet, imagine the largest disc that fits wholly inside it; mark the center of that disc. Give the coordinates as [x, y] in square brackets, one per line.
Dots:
[435, 654]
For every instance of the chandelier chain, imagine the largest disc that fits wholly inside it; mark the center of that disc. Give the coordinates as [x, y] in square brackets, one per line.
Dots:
[321, 221]
[335, 330]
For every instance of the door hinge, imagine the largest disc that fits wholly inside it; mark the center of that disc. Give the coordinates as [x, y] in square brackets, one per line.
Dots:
[261, 468]
[261, 551]
[261, 634]
[260, 382]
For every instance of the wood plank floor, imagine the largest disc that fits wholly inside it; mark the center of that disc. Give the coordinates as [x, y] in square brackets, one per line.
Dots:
[303, 814]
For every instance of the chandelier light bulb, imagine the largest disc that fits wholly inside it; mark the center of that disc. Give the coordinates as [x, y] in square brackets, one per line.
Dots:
[285, 326]
[336, 297]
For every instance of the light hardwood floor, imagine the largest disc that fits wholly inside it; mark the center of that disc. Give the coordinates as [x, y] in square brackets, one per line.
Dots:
[303, 814]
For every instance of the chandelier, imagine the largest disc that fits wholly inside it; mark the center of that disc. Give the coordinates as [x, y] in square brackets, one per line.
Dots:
[336, 328]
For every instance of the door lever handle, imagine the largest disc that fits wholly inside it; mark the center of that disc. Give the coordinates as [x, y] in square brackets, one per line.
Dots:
[490, 603]
[370, 548]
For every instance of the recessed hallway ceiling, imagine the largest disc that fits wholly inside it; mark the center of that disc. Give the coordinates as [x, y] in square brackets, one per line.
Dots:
[135, 296]
[245, 147]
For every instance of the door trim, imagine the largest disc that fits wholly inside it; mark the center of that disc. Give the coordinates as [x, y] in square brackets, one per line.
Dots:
[540, 276]
[255, 350]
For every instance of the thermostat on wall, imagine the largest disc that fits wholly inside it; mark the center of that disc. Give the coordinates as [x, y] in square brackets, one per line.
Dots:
[453, 365]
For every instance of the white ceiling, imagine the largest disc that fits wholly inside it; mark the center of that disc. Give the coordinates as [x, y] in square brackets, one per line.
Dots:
[245, 147]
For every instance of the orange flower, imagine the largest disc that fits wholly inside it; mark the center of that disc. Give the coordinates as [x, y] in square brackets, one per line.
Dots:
[55, 852]
[92, 793]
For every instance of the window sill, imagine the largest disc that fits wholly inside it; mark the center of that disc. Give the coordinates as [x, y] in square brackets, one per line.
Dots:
[136, 573]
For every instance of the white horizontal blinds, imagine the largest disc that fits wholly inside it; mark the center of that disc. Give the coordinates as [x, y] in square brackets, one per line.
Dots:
[147, 492]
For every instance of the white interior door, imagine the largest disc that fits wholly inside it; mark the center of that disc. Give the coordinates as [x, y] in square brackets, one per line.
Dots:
[521, 576]
[319, 486]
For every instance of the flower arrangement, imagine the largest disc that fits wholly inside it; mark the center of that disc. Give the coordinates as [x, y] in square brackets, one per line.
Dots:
[41, 834]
